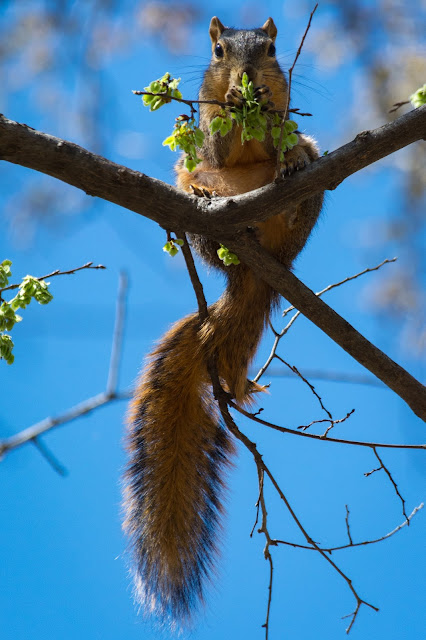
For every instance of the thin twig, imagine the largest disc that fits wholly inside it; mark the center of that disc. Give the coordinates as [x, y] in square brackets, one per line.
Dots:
[397, 105]
[261, 464]
[287, 107]
[311, 386]
[356, 544]
[195, 280]
[282, 333]
[348, 529]
[305, 427]
[57, 272]
[347, 279]
[395, 486]
[257, 505]
[219, 103]
[303, 434]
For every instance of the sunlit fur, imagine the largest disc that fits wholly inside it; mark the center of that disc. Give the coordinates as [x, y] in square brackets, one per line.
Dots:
[178, 448]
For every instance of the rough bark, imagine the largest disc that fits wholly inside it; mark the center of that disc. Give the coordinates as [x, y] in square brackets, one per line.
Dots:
[225, 219]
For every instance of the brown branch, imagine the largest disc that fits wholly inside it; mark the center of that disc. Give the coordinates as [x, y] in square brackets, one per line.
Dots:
[306, 381]
[395, 486]
[356, 544]
[174, 209]
[341, 282]
[251, 446]
[305, 434]
[221, 218]
[348, 528]
[290, 76]
[338, 329]
[280, 334]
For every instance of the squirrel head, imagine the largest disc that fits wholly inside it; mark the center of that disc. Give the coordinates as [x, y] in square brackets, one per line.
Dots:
[238, 51]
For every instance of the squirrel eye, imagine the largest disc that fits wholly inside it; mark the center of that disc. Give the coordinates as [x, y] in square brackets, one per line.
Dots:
[271, 50]
[218, 51]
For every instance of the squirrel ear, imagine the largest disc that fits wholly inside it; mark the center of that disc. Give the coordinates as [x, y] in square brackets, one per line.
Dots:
[215, 30]
[270, 28]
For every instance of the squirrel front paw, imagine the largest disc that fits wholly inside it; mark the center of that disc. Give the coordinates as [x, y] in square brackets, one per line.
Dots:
[294, 159]
[262, 94]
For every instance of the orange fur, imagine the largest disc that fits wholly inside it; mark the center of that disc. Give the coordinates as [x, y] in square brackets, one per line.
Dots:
[178, 447]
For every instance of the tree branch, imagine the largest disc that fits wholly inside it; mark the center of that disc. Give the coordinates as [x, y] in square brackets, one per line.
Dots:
[336, 327]
[225, 219]
[174, 209]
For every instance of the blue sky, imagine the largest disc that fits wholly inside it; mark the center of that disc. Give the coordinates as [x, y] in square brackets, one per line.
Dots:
[63, 572]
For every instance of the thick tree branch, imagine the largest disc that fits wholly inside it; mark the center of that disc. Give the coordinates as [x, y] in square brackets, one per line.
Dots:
[336, 327]
[226, 219]
[174, 209]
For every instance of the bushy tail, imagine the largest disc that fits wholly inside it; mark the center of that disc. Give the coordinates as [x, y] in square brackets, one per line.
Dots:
[179, 451]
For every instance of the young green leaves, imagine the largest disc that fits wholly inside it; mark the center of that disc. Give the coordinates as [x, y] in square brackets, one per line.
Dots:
[170, 246]
[5, 273]
[222, 123]
[162, 89]
[226, 256]
[249, 116]
[283, 131]
[419, 97]
[29, 288]
[186, 136]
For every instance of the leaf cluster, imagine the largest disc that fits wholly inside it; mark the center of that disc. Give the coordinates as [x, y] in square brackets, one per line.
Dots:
[186, 136]
[170, 246]
[227, 257]
[29, 288]
[419, 97]
[163, 89]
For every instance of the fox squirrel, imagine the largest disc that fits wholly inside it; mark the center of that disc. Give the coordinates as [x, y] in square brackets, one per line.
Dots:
[178, 448]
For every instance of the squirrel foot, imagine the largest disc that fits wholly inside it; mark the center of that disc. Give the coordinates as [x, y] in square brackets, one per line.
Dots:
[202, 192]
[294, 159]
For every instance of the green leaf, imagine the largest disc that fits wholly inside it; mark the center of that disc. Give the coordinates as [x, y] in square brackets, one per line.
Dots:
[189, 164]
[293, 139]
[215, 124]
[418, 98]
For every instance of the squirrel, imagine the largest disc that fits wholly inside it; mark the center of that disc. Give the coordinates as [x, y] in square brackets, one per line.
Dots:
[179, 450]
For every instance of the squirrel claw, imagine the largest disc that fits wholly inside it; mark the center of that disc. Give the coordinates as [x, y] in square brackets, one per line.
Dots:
[293, 161]
[235, 97]
[202, 192]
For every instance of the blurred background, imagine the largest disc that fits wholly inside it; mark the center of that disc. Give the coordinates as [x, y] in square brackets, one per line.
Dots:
[68, 69]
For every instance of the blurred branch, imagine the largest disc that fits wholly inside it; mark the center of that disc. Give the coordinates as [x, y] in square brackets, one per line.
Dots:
[32, 434]
[329, 376]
